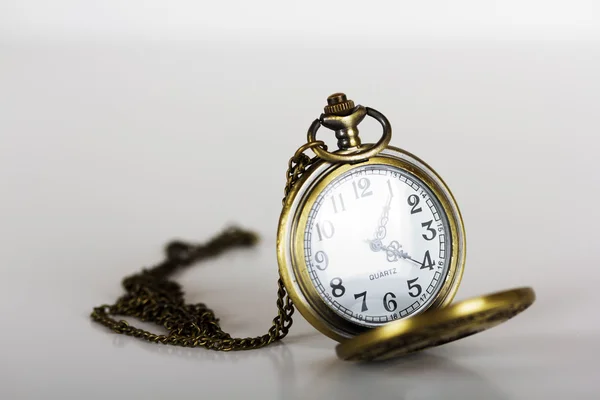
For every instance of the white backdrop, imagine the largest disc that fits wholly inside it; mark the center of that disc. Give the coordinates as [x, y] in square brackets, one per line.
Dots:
[126, 124]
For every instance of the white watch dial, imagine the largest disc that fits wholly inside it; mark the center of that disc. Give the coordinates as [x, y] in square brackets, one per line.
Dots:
[377, 245]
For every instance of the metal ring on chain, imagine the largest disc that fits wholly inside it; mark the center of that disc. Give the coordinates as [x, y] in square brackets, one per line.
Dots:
[313, 144]
[362, 153]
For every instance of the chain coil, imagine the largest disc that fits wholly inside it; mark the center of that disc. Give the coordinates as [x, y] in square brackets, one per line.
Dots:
[151, 297]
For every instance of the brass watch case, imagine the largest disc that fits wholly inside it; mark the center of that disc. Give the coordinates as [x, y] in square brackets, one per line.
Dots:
[437, 327]
[292, 223]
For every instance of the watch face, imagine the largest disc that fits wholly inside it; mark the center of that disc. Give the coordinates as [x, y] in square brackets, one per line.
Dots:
[377, 245]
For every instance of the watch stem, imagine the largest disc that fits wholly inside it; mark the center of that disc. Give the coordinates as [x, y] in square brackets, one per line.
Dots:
[343, 117]
[338, 104]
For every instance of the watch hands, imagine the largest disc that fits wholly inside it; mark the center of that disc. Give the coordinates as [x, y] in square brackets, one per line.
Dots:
[381, 230]
[393, 251]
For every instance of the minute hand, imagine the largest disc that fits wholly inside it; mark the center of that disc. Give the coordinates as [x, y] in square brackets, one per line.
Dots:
[381, 230]
[394, 252]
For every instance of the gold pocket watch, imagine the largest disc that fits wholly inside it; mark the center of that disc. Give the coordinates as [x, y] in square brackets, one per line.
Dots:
[371, 245]
[371, 251]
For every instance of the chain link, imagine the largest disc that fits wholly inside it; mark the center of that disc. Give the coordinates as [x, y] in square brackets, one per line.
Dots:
[151, 297]
[298, 164]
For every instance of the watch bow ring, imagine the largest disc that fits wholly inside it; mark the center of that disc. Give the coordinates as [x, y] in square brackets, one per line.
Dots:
[343, 117]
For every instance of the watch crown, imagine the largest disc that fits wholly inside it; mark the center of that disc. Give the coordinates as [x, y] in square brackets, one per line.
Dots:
[338, 103]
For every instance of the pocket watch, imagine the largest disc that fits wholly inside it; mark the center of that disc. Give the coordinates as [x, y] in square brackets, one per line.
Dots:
[371, 245]
[371, 250]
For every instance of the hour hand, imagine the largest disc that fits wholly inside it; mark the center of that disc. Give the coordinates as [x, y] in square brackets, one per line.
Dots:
[393, 248]
[393, 251]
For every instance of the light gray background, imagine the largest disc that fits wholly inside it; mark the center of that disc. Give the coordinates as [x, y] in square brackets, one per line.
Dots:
[123, 126]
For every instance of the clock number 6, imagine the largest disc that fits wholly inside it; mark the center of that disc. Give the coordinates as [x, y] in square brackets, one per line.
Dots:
[338, 288]
[412, 285]
[390, 305]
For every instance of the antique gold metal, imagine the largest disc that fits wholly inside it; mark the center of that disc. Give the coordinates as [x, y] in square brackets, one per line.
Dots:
[303, 148]
[290, 245]
[342, 117]
[436, 327]
[338, 104]
[152, 297]
[344, 121]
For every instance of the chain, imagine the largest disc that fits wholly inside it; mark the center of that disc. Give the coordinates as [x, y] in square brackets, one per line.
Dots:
[298, 165]
[151, 297]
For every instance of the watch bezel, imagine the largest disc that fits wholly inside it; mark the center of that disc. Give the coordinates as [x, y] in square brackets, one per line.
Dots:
[290, 251]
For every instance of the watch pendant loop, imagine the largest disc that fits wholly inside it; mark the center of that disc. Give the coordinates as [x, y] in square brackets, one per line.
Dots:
[343, 117]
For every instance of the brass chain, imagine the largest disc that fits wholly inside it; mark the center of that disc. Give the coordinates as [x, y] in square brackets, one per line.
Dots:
[151, 297]
[298, 164]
